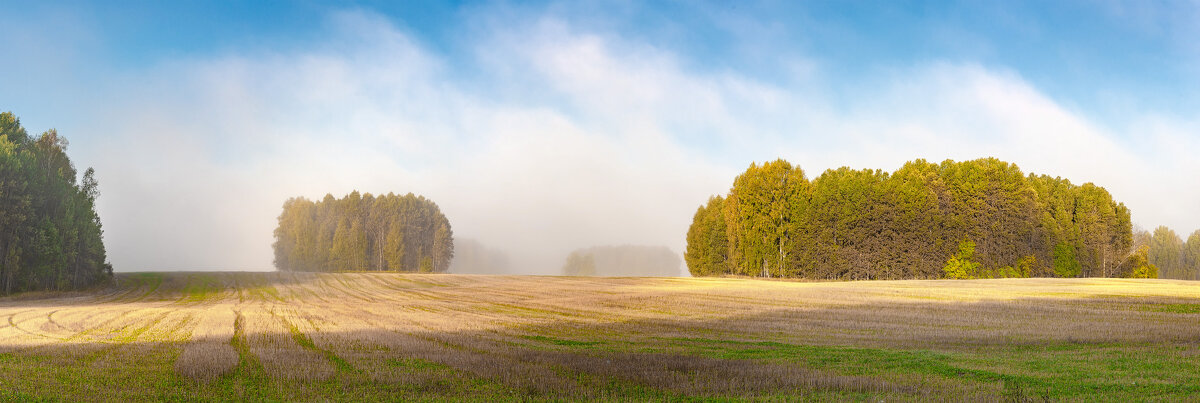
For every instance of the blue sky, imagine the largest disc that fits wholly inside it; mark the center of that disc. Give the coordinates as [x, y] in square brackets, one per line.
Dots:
[553, 117]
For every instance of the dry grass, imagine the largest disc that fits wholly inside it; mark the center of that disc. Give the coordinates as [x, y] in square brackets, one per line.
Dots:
[315, 336]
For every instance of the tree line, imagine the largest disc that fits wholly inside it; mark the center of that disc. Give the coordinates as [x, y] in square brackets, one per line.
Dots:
[1166, 250]
[50, 234]
[972, 219]
[363, 233]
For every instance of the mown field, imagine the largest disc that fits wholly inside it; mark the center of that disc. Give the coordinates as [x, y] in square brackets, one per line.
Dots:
[282, 336]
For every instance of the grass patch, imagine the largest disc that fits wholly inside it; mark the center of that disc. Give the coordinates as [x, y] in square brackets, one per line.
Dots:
[1062, 371]
[1172, 308]
[563, 342]
[307, 343]
[202, 287]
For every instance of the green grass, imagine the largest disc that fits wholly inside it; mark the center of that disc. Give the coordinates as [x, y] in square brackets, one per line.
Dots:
[467, 348]
[1101, 371]
[1172, 308]
[307, 343]
[202, 287]
[564, 342]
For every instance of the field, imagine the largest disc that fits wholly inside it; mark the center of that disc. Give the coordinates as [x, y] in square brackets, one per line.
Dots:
[361, 336]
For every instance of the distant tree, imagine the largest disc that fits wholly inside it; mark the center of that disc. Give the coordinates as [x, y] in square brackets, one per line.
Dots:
[1192, 256]
[1141, 237]
[623, 260]
[1166, 252]
[580, 264]
[363, 232]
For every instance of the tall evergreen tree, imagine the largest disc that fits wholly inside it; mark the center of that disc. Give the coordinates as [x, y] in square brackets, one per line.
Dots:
[50, 235]
[707, 245]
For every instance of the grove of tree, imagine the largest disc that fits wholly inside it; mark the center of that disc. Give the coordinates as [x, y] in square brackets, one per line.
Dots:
[1174, 257]
[363, 233]
[970, 219]
[623, 261]
[50, 234]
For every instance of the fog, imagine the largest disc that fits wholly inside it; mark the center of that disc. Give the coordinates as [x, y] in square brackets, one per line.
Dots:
[548, 137]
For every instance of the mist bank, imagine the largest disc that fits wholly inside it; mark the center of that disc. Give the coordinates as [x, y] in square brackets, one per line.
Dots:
[623, 261]
[472, 257]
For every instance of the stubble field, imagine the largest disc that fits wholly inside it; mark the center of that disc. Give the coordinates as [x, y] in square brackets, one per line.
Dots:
[376, 336]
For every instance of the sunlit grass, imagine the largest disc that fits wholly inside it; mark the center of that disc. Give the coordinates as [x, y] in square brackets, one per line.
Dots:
[377, 336]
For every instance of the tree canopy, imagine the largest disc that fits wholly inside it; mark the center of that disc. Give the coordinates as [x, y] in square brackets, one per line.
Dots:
[50, 234]
[970, 219]
[363, 233]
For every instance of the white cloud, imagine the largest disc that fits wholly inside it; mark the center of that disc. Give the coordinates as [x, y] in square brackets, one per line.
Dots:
[577, 139]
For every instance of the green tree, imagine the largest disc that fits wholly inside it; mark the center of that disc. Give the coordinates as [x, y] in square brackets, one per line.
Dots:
[1138, 265]
[50, 234]
[868, 224]
[960, 265]
[848, 224]
[707, 246]
[1065, 263]
[915, 192]
[761, 212]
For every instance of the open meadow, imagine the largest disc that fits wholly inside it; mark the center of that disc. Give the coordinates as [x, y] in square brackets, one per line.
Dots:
[373, 336]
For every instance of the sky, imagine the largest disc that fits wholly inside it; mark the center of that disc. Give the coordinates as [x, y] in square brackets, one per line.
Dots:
[543, 127]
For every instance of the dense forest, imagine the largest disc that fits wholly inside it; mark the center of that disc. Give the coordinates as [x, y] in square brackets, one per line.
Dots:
[363, 232]
[50, 234]
[1174, 257]
[623, 261]
[971, 219]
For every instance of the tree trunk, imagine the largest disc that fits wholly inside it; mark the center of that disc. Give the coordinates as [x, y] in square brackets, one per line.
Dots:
[4, 267]
[782, 256]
